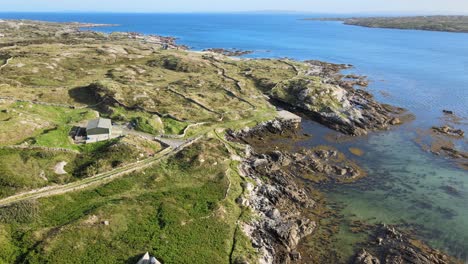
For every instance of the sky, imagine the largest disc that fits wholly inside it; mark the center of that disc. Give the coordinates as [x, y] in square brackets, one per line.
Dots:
[312, 6]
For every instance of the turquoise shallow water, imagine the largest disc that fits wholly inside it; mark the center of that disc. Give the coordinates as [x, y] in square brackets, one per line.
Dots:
[424, 72]
[405, 186]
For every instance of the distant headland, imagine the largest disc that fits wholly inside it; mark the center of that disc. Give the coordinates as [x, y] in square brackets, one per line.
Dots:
[430, 23]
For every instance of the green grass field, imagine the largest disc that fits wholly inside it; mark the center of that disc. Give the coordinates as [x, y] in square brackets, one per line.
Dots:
[177, 210]
[29, 169]
[41, 125]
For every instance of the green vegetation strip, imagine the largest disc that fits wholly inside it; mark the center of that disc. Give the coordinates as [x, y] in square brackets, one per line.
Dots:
[98, 179]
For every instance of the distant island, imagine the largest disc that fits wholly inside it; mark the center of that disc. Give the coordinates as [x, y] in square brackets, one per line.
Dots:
[431, 23]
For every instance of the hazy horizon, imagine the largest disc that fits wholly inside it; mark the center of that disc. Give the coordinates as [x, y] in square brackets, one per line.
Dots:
[417, 7]
[266, 12]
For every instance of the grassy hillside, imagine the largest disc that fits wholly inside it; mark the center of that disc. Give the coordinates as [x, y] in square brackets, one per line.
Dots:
[181, 209]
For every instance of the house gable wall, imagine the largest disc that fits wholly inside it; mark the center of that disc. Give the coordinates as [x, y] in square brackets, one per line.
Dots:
[97, 131]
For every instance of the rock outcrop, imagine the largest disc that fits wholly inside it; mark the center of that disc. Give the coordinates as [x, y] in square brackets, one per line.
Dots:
[445, 140]
[278, 203]
[276, 126]
[364, 257]
[230, 52]
[330, 98]
[391, 246]
[449, 131]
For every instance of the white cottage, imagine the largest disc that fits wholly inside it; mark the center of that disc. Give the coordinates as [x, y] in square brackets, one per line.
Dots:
[98, 130]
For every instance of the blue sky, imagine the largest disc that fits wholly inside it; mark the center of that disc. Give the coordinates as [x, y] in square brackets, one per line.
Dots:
[314, 6]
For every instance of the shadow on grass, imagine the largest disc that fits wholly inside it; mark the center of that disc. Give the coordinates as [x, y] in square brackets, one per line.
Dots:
[135, 259]
[84, 95]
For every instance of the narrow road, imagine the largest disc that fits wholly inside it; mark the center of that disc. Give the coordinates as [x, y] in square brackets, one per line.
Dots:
[6, 63]
[171, 142]
[95, 180]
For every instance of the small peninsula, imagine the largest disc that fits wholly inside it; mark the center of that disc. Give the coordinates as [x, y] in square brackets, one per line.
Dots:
[430, 23]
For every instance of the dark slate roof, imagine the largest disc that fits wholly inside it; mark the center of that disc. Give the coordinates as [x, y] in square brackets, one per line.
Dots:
[99, 123]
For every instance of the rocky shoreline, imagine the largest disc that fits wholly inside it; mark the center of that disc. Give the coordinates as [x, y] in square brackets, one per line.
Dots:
[337, 100]
[282, 206]
[272, 194]
[229, 52]
[279, 203]
[391, 246]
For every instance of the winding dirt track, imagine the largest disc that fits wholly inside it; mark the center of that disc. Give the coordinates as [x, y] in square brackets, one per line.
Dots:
[6, 63]
[95, 180]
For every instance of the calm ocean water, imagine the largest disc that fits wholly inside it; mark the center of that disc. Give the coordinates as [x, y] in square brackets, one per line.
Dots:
[422, 71]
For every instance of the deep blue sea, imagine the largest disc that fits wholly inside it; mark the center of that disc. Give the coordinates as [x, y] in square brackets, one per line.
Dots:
[422, 71]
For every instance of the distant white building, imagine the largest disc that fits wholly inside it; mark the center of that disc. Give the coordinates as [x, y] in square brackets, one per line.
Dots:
[98, 130]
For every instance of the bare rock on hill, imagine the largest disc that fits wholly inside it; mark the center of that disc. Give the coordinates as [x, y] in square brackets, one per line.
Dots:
[60, 168]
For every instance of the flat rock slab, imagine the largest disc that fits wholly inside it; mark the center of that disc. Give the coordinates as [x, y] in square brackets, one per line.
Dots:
[59, 168]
